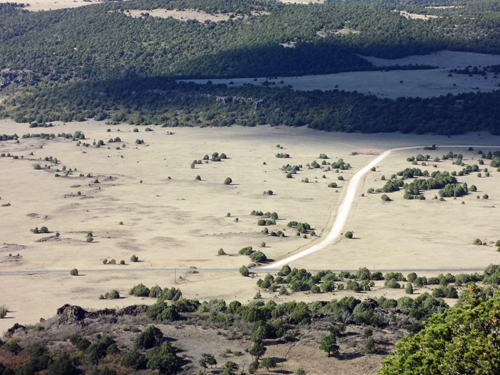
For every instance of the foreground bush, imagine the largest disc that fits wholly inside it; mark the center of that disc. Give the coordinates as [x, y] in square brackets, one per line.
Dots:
[463, 340]
[149, 338]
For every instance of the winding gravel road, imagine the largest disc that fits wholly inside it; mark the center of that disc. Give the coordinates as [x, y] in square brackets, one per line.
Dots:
[331, 237]
[346, 205]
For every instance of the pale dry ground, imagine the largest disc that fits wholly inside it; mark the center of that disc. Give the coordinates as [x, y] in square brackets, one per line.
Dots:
[415, 16]
[396, 83]
[188, 14]
[182, 222]
[183, 15]
[38, 5]
[396, 232]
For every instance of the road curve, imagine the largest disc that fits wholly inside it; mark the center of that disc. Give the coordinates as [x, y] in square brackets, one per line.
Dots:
[334, 233]
[345, 206]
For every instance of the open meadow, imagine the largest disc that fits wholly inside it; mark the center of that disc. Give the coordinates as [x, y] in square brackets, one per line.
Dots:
[143, 199]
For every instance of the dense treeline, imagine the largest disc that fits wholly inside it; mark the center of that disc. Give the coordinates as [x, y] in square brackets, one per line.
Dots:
[163, 102]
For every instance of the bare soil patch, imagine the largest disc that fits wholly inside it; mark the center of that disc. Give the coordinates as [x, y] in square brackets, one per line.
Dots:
[39, 5]
[415, 16]
[185, 15]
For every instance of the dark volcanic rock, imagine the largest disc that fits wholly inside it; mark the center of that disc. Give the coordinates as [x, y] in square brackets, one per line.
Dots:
[100, 313]
[370, 303]
[133, 310]
[69, 314]
[16, 327]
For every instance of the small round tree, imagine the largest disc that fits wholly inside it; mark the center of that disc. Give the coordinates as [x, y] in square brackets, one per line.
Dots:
[370, 346]
[349, 234]
[409, 288]
[268, 363]
[244, 271]
[329, 345]
[73, 272]
[228, 181]
[258, 350]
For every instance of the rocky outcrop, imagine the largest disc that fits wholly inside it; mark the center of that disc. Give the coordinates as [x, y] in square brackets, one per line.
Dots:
[69, 314]
[15, 330]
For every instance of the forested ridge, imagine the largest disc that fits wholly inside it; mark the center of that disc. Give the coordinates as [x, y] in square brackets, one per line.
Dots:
[99, 60]
[101, 41]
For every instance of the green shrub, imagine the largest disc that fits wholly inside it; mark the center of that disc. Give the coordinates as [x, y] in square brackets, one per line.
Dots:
[228, 181]
[73, 272]
[392, 283]
[63, 365]
[349, 234]
[134, 258]
[301, 316]
[244, 271]
[139, 290]
[149, 338]
[3, 312]
[80, 342]
[370, 346]
[409, 288]
[246, 250]
[163, 359]
[161, 312]
[258, 257]
[114, 294]
[268, 363]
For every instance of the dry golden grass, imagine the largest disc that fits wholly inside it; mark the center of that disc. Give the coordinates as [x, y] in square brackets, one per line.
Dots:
[180, 222]
[39, 5]
[415, 16]
[188, 14]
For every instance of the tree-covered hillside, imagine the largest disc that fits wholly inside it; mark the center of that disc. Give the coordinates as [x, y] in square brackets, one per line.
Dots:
[102, 41]
[98, 61]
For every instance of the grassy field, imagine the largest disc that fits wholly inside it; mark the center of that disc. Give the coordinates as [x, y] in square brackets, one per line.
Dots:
[170, 220]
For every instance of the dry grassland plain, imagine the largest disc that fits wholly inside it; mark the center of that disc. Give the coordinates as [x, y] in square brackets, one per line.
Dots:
[180, 222]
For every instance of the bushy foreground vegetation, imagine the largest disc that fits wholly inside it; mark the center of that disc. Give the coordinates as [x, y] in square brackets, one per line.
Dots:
[433, 327]
[462, 340]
